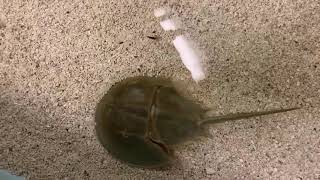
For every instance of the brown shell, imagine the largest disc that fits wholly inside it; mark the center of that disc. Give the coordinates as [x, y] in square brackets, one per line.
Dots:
[141, 117]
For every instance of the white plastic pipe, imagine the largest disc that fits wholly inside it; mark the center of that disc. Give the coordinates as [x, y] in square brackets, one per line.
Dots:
[168, 25]
[189, 57]
[161, 12]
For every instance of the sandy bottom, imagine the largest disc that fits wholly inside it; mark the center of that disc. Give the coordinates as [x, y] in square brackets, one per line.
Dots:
[58, 58]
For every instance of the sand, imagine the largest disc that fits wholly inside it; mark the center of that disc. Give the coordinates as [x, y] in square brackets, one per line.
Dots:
[58, 58]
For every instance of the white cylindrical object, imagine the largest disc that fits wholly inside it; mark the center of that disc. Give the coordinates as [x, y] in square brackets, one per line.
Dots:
[168, 25]
[189, 57]
[161, 12]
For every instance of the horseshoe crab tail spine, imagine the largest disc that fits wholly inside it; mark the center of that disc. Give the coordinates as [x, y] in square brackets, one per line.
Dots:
[238, 116]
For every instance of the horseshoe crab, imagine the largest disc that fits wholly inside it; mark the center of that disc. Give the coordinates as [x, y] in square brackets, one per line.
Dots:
[140, 119]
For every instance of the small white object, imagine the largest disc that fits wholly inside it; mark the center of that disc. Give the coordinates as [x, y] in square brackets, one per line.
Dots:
[210, 171]
[189, 57]
[168, 25]
[161, 12]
